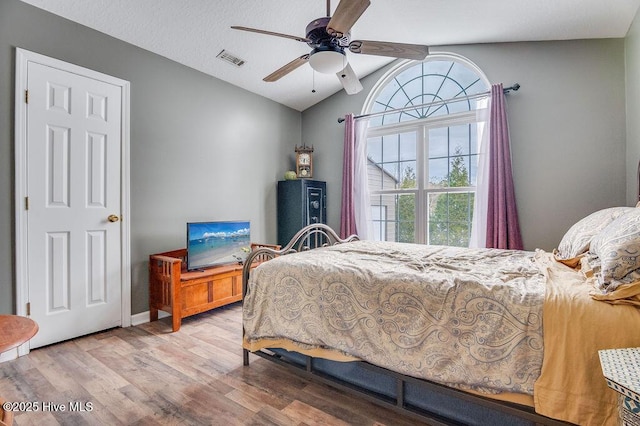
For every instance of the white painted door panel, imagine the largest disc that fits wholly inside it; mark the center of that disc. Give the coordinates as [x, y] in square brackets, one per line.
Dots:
[73, 181]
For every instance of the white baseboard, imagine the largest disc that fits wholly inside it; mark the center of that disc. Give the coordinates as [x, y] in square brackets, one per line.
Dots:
[144, 317]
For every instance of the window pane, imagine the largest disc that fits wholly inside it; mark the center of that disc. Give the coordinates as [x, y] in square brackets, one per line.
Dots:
[392, 161]
[390, 148]
[460, 139]
[473, 137]
[390, 178]
[389, 90]
[450, 162]
[406, 218]
[438, 67]
[377, 120]
[450, 89]
[399, 99]
[438, 142]
[408, 178]
[432, 85]
[379, 218]
[394, 217]
[438, 172]
[467, 78]
[374, 149]
[378, 178]
[473, 170]
[408, 146]
[459, 171]
[450, 218]
[409, 74]
[411, 88]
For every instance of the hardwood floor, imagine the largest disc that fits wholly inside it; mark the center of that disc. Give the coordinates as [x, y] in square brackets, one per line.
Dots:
[147, 375]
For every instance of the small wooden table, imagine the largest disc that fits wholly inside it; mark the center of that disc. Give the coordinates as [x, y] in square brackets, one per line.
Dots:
[15, 330]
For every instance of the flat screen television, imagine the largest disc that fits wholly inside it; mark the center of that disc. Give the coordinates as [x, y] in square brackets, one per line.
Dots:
[217, 243]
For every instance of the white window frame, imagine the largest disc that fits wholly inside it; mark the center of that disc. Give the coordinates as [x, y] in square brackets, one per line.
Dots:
[421, 128]
[421, 192]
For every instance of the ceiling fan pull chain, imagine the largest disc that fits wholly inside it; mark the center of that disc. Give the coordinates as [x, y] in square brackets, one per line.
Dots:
[328, 8]
[313, 81]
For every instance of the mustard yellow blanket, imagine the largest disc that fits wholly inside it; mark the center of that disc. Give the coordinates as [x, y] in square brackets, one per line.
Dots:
[571, 386]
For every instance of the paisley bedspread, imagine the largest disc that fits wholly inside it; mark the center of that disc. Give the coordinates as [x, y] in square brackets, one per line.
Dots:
[467, 318]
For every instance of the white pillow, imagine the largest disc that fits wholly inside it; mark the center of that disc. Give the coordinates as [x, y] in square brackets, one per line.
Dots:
[578, 238]
[618, 247]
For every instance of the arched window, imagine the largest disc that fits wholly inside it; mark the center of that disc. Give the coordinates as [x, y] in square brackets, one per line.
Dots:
[422, 149]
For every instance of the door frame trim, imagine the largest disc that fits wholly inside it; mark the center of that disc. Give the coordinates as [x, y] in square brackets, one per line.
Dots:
[23, 57]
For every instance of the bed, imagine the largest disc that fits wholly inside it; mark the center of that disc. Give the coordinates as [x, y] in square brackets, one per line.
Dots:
[454, 335]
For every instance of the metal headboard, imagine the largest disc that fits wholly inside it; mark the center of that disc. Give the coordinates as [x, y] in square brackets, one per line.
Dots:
[311, 236]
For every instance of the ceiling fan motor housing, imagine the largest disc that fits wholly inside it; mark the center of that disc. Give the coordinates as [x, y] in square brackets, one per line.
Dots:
[318, 36]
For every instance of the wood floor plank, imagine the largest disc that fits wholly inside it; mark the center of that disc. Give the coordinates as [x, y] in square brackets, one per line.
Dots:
[341, 405]
[186, 362]
[311, 415]
[147, 375]
[270, 416]
[266, 396]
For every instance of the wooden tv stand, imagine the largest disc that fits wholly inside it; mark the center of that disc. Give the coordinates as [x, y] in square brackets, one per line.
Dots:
[182, 293]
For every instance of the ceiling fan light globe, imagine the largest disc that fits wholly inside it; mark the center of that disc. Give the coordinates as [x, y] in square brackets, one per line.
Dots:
[327, 61]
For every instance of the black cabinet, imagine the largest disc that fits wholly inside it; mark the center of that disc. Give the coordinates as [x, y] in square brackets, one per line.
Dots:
[301, 202]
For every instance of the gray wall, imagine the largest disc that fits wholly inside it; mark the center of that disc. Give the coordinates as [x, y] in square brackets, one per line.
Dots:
[567, 126]
[200, 148]
[193, 157]
[632, 54]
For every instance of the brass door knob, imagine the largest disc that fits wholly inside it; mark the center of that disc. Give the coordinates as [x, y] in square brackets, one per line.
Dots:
[113, 218]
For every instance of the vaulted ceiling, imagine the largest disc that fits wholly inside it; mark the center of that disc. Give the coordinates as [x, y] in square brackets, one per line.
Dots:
[194, 32]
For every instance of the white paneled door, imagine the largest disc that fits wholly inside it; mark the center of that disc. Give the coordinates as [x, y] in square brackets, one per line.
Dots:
[73, 203]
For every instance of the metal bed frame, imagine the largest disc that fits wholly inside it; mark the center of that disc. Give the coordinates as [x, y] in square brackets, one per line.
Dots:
[320, 235]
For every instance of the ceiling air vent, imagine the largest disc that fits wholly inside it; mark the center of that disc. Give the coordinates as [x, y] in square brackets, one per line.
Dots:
[232, 59]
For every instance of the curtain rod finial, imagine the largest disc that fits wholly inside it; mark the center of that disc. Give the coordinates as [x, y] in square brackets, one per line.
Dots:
[341, 120]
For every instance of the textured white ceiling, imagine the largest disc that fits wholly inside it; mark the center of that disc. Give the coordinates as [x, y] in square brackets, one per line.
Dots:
[193, 32]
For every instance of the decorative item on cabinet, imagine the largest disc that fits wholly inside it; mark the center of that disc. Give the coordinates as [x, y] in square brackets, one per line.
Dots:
[304, 161]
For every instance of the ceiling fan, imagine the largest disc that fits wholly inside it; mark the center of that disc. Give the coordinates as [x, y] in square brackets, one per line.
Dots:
[329, 37]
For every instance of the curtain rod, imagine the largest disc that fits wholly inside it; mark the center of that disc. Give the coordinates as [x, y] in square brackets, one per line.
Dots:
[514, 87]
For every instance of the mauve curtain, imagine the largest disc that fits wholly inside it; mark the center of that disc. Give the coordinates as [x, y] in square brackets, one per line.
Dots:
[347, 211]
[355, 213]
[503, 229]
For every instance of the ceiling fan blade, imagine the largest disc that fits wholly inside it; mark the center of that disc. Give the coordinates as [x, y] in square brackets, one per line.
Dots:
[281, 72]
[253, 30]
[384, 48]
[346, 14]
[349, 80]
